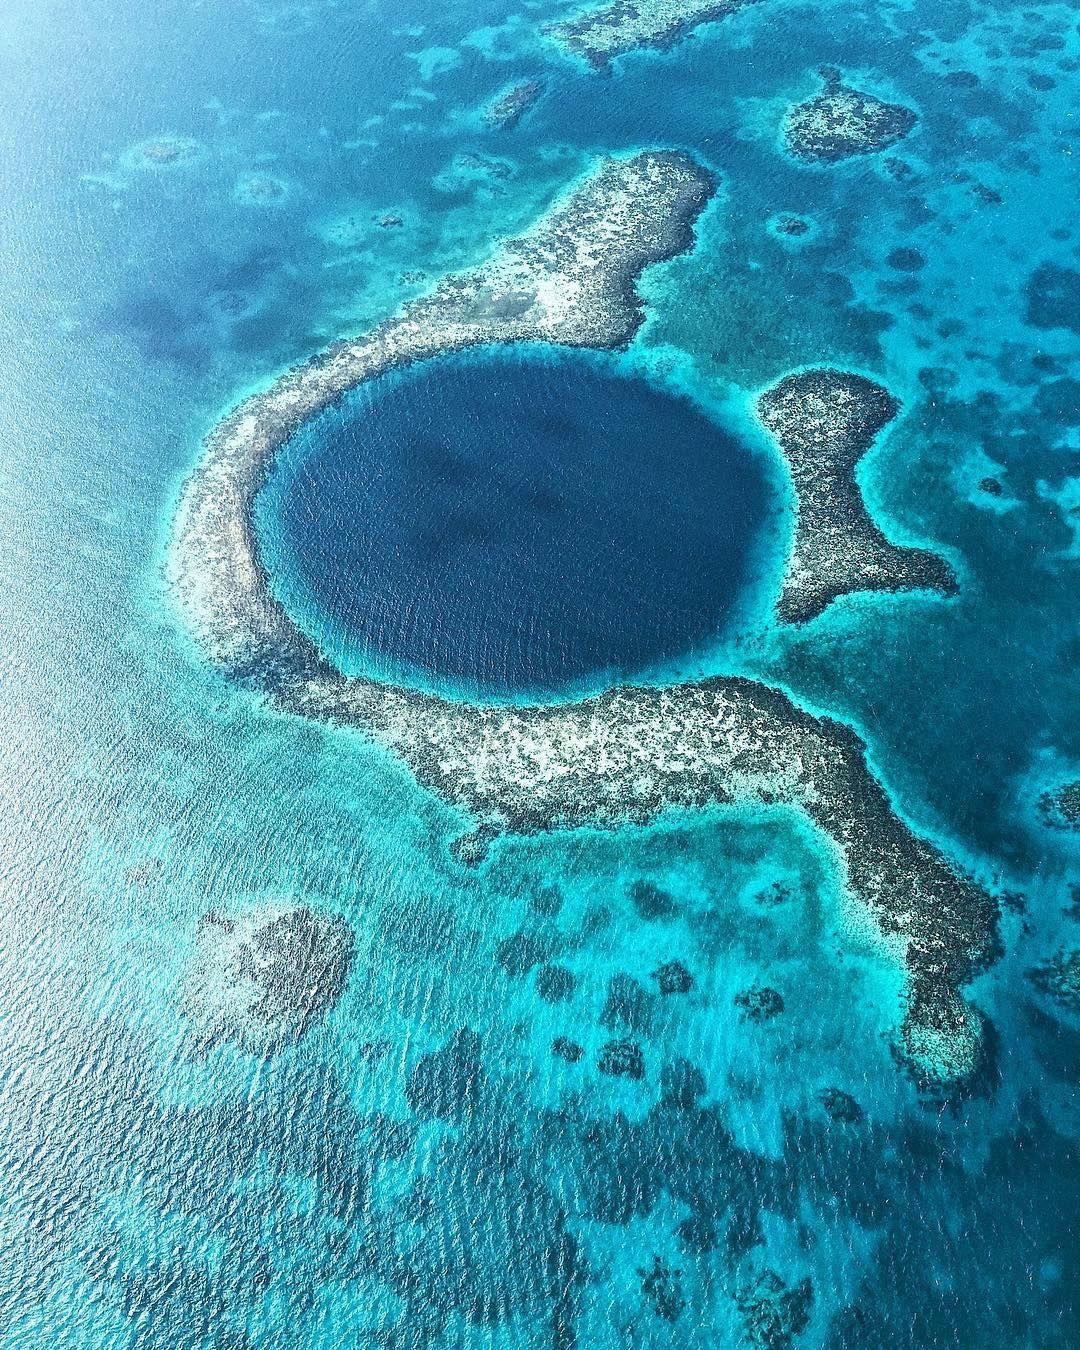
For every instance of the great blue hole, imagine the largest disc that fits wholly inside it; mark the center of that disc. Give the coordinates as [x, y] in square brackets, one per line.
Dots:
[513, 522]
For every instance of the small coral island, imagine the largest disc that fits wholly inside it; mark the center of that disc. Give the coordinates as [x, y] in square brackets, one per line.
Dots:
[842, 121]
[824, 421]
[629, 753]
[602, 32]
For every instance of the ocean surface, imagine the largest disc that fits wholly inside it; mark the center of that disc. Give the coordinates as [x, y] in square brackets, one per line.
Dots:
[507, 525]
[195, 196]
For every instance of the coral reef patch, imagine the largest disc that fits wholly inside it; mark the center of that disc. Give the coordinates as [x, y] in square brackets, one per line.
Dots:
[759, 1003]
[448, 1083]
[621, 1059]
[841, 1106]
[843, 121]
[661, 1287]
[824, 421]
[1059, 977]
[508, 108]
[602, 32]
[262, 977]
[774, 1314]
[672, 977]
[1053, 297]
[1059, 808]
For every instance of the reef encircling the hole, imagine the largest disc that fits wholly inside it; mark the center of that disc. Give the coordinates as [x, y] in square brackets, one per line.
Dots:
[626, 755]
[824, 421]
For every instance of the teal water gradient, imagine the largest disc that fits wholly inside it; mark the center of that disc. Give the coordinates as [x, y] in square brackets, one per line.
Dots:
[151, 1200]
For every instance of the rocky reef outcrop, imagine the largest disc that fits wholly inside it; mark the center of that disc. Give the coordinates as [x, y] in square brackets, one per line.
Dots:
[508, 108]
[843, 121]
[824, 421]
[261, 977]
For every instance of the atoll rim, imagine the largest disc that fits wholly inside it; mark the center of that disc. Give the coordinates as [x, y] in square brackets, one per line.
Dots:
[630, 753]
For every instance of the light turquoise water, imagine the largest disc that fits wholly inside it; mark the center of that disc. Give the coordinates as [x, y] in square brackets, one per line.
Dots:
[152, 1200]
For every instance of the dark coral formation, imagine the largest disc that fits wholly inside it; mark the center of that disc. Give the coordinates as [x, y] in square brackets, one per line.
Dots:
[776, 893]
[621, 1059]
[555, 983]
[1059, 978]
[547, 901]
[840, 1106]
[681, 1085]
[774, 1314]
[906, 260]
[790, 229]
[262, 977]
[1060, 807]
[628, 1007]
[824, 421]
[842, 121]
[744, 1231]
[567, 1049]
[518, 954]
[672, 977]
[488, 1243]
[608, 30]
[697, 1234]
[448, 1084]
[1053, 297]
[759, 1003]
[507, 110]
[661, 1288]
[652, 902]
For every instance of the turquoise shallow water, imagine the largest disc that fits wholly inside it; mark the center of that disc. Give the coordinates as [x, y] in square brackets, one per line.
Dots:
[314, 1199]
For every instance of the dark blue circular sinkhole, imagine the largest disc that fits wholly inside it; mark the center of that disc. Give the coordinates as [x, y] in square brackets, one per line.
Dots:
[513, 523]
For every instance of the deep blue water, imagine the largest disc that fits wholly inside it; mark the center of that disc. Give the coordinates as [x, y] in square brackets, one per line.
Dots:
[517, 524]
[153, 1200]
